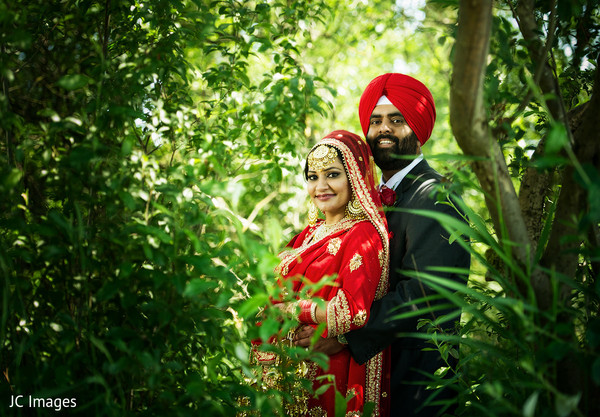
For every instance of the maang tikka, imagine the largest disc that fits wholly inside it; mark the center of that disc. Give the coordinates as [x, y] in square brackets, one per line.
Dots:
[321, 157]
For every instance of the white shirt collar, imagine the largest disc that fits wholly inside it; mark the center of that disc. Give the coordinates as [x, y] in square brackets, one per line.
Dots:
[397, 178]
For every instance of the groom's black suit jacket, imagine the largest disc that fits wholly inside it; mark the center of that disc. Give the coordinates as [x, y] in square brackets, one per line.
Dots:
[418, 243]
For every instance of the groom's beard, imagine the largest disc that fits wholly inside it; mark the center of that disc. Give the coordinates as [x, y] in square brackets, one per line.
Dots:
[384, 157]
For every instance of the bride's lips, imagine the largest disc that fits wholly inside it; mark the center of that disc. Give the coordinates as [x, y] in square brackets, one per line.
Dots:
[324, 197]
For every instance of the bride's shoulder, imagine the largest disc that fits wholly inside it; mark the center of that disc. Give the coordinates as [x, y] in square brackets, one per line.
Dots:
[363, 227]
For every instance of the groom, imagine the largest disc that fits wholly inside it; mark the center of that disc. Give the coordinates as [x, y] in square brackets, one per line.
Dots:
[397, 114]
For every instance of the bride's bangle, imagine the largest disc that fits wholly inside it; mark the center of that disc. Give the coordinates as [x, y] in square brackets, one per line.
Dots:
[308, 312]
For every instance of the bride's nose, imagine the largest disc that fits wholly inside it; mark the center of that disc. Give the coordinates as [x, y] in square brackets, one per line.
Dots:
[322, 183]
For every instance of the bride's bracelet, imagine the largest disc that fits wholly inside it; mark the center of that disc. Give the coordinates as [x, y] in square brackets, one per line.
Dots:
[308, 312]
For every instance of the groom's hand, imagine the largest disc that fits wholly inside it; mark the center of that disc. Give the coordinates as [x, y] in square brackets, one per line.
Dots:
[323, 345]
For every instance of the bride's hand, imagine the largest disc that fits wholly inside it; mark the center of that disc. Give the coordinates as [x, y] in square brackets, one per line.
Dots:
[323, 345]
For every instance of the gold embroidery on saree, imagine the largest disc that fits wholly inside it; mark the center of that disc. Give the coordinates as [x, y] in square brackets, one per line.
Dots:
[263, 358]
[288, 256]
[355, 262]
[360, 318]
[334, 245]
[317, 412]
[338, 315]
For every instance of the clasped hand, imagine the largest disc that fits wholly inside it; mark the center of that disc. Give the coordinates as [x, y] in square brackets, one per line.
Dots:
[328, 346]
[304, 334]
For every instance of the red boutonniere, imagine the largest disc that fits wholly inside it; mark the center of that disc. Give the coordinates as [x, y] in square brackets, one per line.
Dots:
[388, 196]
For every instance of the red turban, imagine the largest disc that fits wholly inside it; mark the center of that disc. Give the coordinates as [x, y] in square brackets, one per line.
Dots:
[408, 95]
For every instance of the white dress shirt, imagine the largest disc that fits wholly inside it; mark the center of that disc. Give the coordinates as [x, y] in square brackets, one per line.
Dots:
[397, 178]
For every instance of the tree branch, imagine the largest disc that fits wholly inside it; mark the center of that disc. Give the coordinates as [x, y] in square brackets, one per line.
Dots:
[542, 63]
[561, 254]
[583, 138]
[471, 129]
[537, 49]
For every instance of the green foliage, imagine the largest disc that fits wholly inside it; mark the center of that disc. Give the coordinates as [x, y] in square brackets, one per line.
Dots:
[509, 350]
[517, 110]
[134, 141]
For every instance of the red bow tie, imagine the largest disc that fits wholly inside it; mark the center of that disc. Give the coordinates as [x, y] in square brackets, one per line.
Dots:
[388, 196]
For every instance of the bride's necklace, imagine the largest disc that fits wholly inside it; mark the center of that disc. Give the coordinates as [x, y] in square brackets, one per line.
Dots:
[324, 230]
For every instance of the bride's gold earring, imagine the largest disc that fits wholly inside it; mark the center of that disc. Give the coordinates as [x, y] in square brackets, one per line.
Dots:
[313, 213]
[354, 209]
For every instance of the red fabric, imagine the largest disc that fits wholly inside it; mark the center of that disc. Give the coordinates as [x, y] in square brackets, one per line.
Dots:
[358, 286]
[357, 256]
[408, 95]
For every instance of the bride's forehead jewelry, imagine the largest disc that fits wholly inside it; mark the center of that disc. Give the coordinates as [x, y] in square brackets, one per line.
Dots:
[321, 157]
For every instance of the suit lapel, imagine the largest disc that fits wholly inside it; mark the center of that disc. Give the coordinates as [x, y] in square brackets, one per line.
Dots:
[410, 179]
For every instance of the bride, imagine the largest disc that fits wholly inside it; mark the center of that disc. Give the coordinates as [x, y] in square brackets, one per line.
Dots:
[351, 244]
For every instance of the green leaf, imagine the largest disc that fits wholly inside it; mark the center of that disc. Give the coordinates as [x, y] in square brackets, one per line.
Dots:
[557, 138]
[251, 306]
[127, 199]
[594, 202]
[11, 179]
[241, 351]
[565, 404]
[73, 82]
[127, 146]
[368, 409]
[268, 328]
[199, 286]
[322, 389]
[530, 405]
[340, 405]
